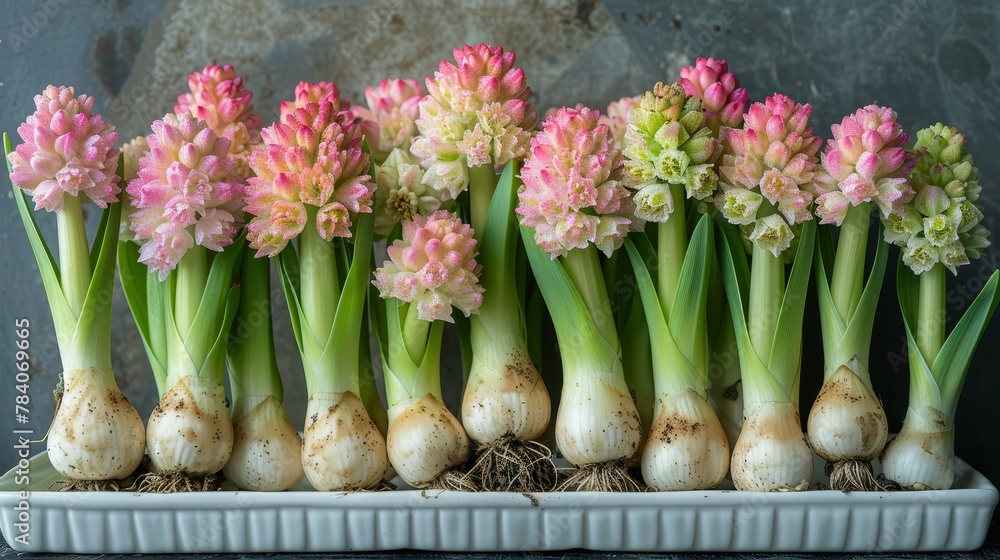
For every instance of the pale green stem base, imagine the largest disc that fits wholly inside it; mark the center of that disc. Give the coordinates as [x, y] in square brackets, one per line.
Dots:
[672, 240]
[74, 254]
[932, 315]
[767, 287]
[848, 281]
[584, 269]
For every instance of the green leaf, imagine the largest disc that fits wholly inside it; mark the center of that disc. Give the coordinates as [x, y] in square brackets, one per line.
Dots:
[500, 312]
[287, 264]
[146, 298]
[952, 363]
[213, 309]
[758, 383]
[63, 317]
[830, 321]
[580, 341]
[216, 358]
[672, 371]
[856, 341]
[92, 336]
[786, 349]
[924, 389]
[689, 316]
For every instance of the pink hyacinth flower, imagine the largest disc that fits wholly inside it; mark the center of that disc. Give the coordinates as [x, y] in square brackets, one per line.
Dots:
[314, 158]
[433, 265]
[389, 121]
[867, 161]
[67, 150]
[617, 116]
[573, 193]
[306, 93]
[774, 154]
[476, 113]
[718, 89]
[218, 98]
[186, 193]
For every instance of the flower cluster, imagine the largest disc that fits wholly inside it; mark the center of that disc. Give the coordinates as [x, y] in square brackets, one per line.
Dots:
[67, 149]
[132, 152]
[389, 122]
[311, 164]
[667, 144]
[308, 92]
[617, 116]
[476, 113]
[770, 164]
[723, 99]
[186, 184]
[867, 162]
[218, 97]
[434, 265]
[401, 192]
[574, 192]
[942, 222]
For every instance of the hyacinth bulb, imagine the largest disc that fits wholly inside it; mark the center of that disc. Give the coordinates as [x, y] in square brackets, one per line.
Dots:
[390, 120]
[343, 449]
[476, 113]
[67, 149]
[96, 434]
[190, 430]
[186, 192]
[721, 96]
[770, 164]
[574, 190]
[310, 168]
[267, 450]
[942, 222]
[771, 454]
[922, 455]
[433, 266]
[667, 143]
[866, 162]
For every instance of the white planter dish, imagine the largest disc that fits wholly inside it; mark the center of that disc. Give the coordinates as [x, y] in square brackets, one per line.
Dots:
[309, 521]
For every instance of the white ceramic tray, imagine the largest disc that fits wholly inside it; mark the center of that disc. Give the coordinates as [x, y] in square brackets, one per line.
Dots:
[308, 521]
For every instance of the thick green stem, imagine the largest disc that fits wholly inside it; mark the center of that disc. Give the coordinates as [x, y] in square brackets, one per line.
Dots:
[254, 368]
[584, 270]
[415, 331]
[767, 286]
[931, 317]
[848, 280]
[672, 243]
[74, 254]
[319, 281]
[482, 184]
[192, 275]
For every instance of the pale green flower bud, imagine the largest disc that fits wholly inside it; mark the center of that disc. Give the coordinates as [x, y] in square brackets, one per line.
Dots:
[920, 255]
[940, 230]
[772, 233]
[653, 202]
[740, 206]
[932, 200]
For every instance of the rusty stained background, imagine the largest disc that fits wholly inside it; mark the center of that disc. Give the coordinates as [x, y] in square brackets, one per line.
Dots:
[931, 61]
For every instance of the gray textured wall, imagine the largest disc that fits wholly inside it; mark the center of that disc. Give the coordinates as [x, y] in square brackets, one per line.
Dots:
[932, 61]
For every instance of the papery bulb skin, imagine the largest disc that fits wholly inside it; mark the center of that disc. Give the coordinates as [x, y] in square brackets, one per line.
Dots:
[97, 433]
[68, 150]
[425, 440]
[771, 454]
[922, 455]
[847, 420]
[512, 402]
[343, 449]
[190, 430]
[687, 447]
[267, 449]
[597, 421]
